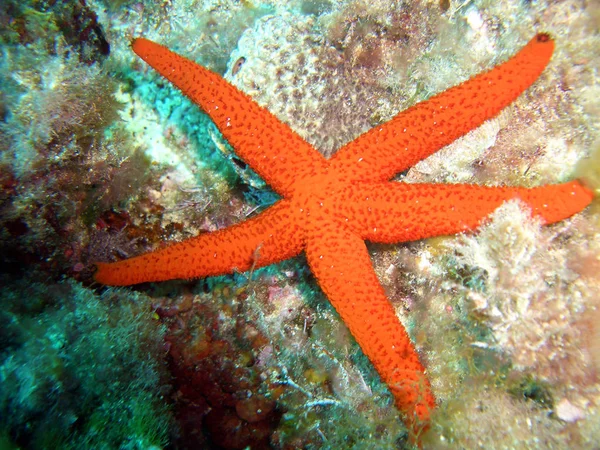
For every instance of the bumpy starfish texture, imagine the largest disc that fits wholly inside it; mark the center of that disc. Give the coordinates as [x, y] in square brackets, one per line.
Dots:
[330, 207]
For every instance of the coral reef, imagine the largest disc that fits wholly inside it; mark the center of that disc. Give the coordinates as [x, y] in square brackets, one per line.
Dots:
[519, 321]
[523, 424]
[325, 76]
[100, 159]
[289, 68]
[80, 370]
[523, 294]
[59, 165]
[230, 346]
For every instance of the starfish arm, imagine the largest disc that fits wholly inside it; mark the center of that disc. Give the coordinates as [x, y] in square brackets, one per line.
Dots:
[340, 261]
[269, 146]
[428, 126]
[267, 238]
[397, 212]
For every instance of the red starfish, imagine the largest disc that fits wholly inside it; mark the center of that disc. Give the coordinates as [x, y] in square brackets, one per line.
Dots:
[330, 207]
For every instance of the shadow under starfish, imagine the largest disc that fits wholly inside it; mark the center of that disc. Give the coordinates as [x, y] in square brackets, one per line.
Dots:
[330, 207]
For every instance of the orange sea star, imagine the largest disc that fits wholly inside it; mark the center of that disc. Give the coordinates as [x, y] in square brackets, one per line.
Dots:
[329, 207]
